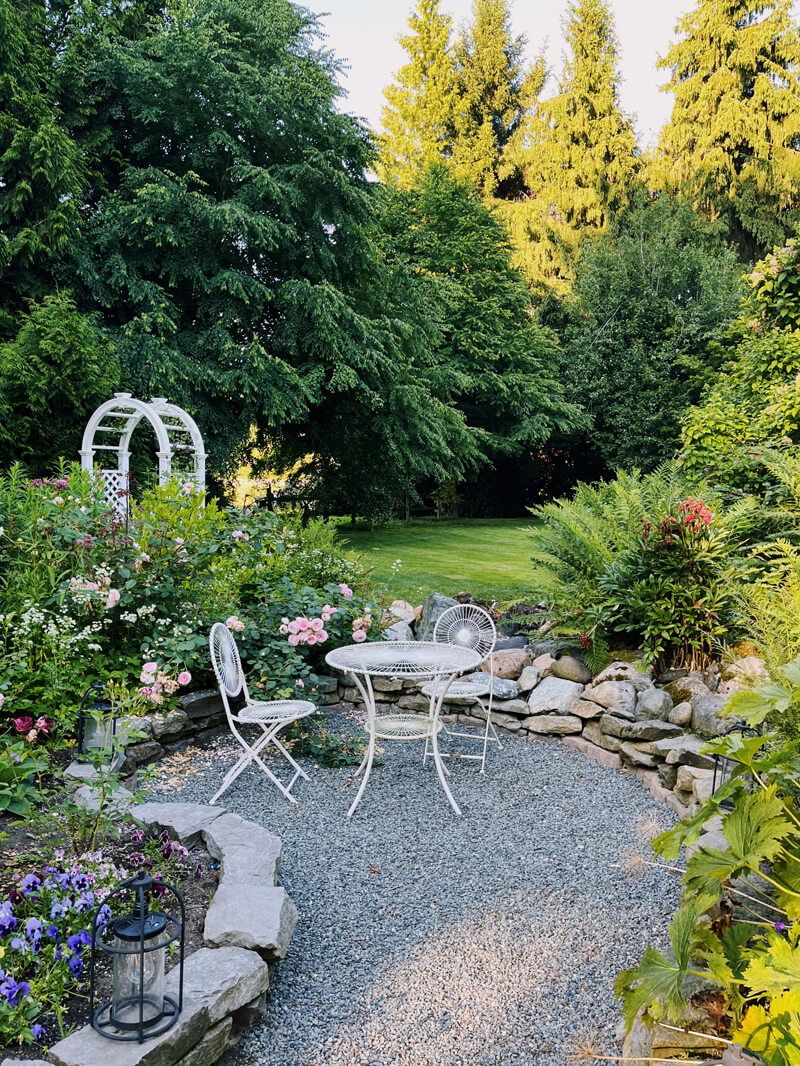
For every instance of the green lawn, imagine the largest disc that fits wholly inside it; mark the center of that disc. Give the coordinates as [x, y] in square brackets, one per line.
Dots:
[487, 557]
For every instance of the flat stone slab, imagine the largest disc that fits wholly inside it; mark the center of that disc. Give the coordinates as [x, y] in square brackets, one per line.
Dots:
[684, 749]
[251, 915]
[85, 1047]
[186, 820]
[625, 730]
[553, 723]
[211, 1048]
[594, 751]
[554, 694]
[88, 797]
[245, 851]
[25, 1062]
[224, 979]
[586, 709]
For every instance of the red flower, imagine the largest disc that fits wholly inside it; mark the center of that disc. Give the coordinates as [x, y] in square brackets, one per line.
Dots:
[24, 724]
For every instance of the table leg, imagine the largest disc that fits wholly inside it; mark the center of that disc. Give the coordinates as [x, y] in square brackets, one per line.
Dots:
[441, 770]
[369, 702]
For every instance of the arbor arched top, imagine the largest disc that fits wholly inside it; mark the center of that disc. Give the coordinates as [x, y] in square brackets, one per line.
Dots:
[107, 438]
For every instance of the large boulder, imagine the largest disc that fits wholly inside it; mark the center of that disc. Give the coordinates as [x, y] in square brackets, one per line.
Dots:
[750, 671]
[706, 705]
[554, 695]
[401, 611]
[681, 714]
[507, 664]
[653, 703]
[639, 677]
[528, 679]
[642, 730]
[399, 630]
[569, 668]
[502, 688]
[683, 750]
[432, 610]
[618, 697]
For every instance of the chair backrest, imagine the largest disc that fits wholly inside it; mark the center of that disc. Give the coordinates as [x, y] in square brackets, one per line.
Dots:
[227, 664]
[467, 626]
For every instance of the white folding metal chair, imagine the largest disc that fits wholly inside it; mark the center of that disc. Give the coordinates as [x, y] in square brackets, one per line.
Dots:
[270, 715]
[468, 626]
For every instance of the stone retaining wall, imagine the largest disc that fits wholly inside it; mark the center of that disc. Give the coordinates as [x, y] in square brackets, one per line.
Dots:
[248, 927]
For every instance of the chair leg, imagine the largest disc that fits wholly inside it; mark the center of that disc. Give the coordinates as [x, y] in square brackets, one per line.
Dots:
[299, 769]
[442, 772]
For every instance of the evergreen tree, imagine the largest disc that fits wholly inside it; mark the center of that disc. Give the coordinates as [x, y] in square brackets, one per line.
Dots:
[653, 298]
[500, 357]
[42, 171]
[495, 91]
[235, 262]
[734, 138]
[53, 374]
[577, 153]
[418, 115]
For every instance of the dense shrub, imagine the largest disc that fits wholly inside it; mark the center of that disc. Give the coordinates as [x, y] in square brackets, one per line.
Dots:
[88, 598]
[642, 559]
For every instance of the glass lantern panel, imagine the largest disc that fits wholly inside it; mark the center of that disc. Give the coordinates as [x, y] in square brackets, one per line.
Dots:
[138, 976]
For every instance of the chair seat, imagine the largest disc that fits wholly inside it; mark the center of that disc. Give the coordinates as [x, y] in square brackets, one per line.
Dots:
[404, 727]
[272, 711]
[466, 690]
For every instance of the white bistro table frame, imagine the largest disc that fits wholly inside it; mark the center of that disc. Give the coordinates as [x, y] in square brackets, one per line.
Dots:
[403, 661]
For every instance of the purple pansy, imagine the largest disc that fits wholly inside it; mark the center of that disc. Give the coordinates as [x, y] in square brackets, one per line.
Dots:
[14, 991]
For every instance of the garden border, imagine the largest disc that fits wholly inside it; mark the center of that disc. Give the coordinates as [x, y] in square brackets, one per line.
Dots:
[248, 928]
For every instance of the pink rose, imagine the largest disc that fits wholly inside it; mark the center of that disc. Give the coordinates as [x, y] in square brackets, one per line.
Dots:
[44, 725]
[317, 624]
[294, 640]
[322, 636]
[293, 626]
[23, 724]
[283, 630]
[146, 690]
[311, 638]
[2, 699]
[302, 623]
[359, 636]
[149, 668]
[326, 616]
[301, 684]
[146, 677]
[345, 590]
[113, 598]
[184, 677]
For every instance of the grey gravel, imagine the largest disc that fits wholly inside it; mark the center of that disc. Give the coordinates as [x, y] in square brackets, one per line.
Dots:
[427, 939]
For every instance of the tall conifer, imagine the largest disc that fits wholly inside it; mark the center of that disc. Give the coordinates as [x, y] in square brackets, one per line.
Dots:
[495, 91]
[577, 153]
[419, 106]
[734, 137]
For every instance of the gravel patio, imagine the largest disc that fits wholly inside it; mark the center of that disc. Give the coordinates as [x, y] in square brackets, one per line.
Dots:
[428, 939]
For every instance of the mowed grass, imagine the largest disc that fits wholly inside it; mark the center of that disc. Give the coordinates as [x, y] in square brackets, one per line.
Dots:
[489, 558]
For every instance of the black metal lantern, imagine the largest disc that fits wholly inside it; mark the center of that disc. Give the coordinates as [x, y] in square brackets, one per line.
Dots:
[724, 765]
[97, 722]
[137, 942]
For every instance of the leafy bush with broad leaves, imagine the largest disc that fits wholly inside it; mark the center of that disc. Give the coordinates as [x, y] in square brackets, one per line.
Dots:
[752, 962]
[755, 402]
[640, 558]
[89, 598]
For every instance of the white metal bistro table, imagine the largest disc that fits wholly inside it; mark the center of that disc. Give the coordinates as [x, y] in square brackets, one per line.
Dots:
[403, 661]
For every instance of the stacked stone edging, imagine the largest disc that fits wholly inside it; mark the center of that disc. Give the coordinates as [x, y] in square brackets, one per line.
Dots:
[622, 718]
[249, 927]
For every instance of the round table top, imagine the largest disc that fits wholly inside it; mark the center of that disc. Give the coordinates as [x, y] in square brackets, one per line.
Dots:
[400, 658]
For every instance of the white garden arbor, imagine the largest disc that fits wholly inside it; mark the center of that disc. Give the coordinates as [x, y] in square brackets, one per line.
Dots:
[107, 439]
